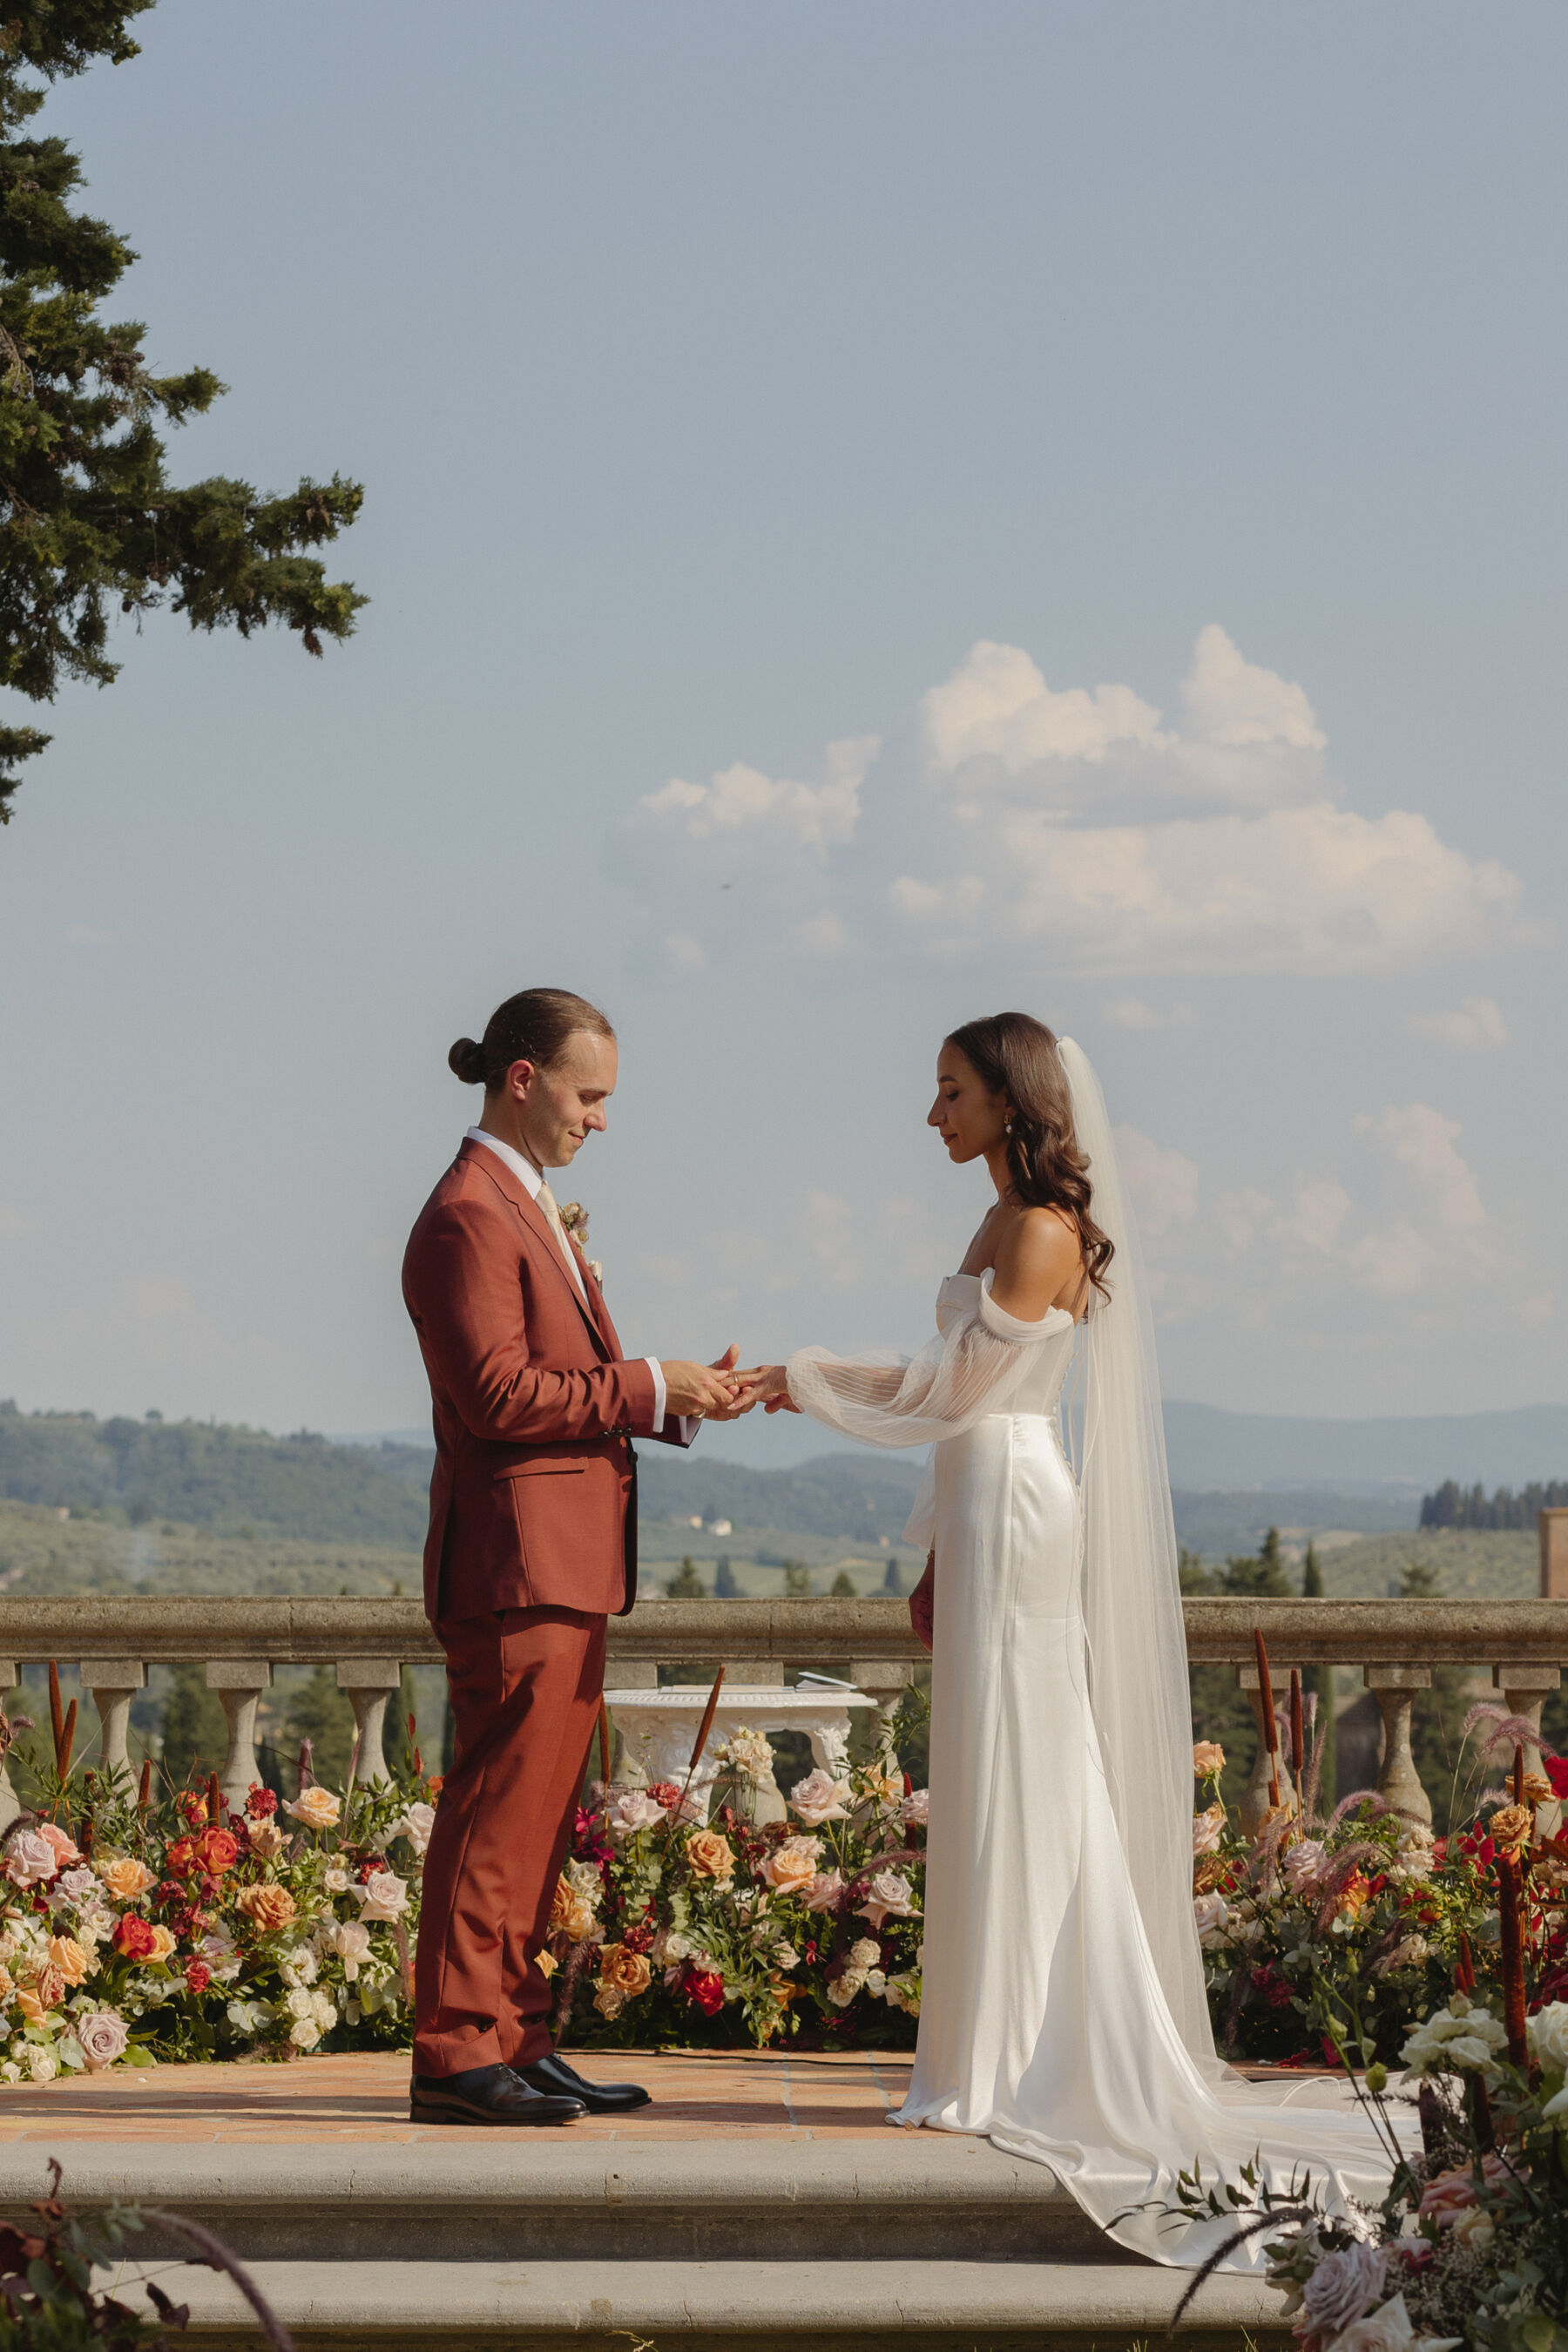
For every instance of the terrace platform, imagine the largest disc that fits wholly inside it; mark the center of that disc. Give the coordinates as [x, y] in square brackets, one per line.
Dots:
[761, 2201]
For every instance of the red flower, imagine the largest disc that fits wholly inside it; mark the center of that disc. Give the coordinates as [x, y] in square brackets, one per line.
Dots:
[134, 1936]
[261, 1803]
[218, 1851]
[198, 1976]
[194, 1807]
[181, 1857]
[706, 1990]
[1557, 1771]
[666, 1793]
[434, 1785]
[638, 1939]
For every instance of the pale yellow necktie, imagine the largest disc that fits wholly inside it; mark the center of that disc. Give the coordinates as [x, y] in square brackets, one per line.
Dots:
[546, 1199]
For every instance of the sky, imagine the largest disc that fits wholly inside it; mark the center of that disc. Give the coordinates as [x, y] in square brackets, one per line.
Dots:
[874, 514]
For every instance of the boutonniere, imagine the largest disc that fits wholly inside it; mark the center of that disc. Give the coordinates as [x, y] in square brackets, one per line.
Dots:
[573, 1216]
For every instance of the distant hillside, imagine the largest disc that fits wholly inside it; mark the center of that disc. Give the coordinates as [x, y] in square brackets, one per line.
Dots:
[1209, 1448]
[1468, 1566]
[42, 1553]
[210, 1475]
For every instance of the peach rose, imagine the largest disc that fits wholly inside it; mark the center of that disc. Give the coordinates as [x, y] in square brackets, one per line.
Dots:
[1511, 1829]
[793, 1865]
[1208, 1757]
[66, 1850]
[163, 1943]
[710, 1854]
[624, 1972]
[571, 1914]
[271, 1907]
[69, 1956]
[316, 1807]
[126, 1879]
[266, 1838]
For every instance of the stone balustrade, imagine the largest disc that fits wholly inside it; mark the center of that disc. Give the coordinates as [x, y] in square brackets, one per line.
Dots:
[112, 1640]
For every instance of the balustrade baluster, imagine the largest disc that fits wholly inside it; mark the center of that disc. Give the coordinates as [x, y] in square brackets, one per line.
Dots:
[369, 1684]
[239, 1683]
[1525, 1690]
[1398, 1782]
[885, 1680]
[10, 1803]
[115, 1683]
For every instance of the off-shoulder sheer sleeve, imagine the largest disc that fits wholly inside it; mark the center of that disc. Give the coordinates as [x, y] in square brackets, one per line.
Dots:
[971, 1368]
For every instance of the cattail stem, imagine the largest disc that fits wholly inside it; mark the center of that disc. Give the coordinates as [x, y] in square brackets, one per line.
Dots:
[1465, 1968]
[144, 1794]
[57, 1712]
[68, 1741]
[1270, 1728]
[1510, 1925]
[215, 1801]
[1297, 1738]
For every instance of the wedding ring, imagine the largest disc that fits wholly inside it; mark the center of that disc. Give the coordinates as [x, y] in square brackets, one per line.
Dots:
[700, 1412]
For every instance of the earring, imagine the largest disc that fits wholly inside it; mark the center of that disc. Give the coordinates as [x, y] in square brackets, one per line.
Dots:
[1007, 1124]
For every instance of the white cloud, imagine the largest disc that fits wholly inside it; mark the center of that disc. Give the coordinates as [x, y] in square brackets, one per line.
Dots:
[742, 802]
[1230, 701]
[996, 705]
[1316, 1217]
[1132, 1013]
[1074, 832]
[1163, 1185]
[1476, 1026]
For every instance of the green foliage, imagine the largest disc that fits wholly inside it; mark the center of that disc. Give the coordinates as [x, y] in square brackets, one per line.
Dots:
[686, 1584]
[195, 1729]
[1457, 1507]
[725, 1584]
[1220, 1710]
[319, 1713]
[797, 1580]
[894, 1581]
[92, 524]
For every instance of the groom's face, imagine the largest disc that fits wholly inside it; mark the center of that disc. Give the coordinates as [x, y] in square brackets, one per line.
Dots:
[561, 1107]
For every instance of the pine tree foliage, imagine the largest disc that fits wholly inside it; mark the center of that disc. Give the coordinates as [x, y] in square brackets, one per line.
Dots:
[90, 524]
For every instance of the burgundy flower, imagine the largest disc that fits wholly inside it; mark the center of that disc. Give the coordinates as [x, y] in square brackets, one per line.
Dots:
[261, 1803]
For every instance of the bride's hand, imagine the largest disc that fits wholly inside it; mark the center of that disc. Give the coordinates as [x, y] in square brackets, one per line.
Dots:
[765, 1384]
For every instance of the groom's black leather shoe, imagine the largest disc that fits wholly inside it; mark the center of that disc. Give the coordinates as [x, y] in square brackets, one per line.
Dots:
[553, 2078]
[488, 2095]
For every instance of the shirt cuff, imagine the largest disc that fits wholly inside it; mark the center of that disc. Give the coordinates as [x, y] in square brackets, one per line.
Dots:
[660, 1405]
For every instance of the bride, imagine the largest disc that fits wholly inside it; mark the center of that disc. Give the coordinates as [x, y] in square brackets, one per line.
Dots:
[1063, 2012]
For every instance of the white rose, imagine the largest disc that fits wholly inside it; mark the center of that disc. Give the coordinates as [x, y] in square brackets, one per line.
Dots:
[31, 1861]
[1212, 1912]
[350, 1939]
[784, 1955]
[383, 1895]
[864, 1954]
[336, 1880]
[889, 1895]
[1475, 2229]
[42, 2064]
[1547, 2034]
[631, 1810]
[415, 1824]
[304, 2033]
[1387, 2330]
[916, 1809]
[297, 1965]
[1207, 1830]
[299, 2002]
[842, 1990]
[248, 2017]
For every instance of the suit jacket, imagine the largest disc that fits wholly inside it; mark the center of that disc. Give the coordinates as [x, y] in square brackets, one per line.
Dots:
[533, 1496]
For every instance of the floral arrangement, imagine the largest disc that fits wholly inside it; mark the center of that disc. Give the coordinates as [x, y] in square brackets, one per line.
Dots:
[130, 1932]
[667, 1927]
[1318, 1935]
[1469, 2247]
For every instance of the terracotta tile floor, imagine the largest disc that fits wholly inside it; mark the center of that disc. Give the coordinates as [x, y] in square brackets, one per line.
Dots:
[730, 2095]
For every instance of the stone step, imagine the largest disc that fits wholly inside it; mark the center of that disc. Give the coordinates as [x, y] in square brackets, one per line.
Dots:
[465, 2196]
[718, 2306]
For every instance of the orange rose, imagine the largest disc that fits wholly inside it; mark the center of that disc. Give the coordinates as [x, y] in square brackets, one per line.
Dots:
[711, 1855]
[218, 1851]
[1510, 1830]
[624, 1972]
[126, 1879]
[69, 1959]
[271, 1907]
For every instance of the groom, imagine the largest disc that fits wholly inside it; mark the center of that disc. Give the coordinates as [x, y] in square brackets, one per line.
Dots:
[533, 1546]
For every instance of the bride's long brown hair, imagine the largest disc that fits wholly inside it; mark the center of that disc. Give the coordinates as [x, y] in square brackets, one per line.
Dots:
[1016, 1057]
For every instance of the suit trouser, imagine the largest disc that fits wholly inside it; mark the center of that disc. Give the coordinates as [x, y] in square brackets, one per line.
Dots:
[525, 1687]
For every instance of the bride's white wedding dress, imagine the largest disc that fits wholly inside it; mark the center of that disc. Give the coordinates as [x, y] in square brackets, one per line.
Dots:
[1062, 2010]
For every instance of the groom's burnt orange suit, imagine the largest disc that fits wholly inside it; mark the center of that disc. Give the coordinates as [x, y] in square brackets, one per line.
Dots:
[532, 1544]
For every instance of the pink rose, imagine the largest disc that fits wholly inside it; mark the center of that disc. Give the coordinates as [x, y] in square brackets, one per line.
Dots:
[66, 1851]
[1340, 2289]
[915, 1811]
[1452, 2193]
[819, 1798]
[824, 1892]
[30, 1859]
[889, 1895]
[102, 2036]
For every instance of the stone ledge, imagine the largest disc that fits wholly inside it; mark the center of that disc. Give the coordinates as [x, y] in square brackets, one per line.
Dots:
[466, 2198]
[724, 2306]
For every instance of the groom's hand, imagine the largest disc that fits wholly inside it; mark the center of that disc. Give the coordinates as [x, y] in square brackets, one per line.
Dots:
[705, 1391]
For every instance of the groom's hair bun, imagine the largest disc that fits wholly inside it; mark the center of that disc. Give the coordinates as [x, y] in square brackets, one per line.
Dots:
[532, 1026]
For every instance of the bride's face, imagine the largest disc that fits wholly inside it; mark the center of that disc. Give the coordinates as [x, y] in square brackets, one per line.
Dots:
[967, 1115]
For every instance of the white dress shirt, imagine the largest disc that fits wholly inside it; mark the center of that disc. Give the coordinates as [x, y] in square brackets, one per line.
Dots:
[529, 1178]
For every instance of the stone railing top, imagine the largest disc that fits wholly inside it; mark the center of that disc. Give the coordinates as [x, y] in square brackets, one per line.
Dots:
[813, 1632]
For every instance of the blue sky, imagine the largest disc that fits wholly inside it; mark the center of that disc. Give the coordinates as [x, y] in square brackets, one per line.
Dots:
[873, 514]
